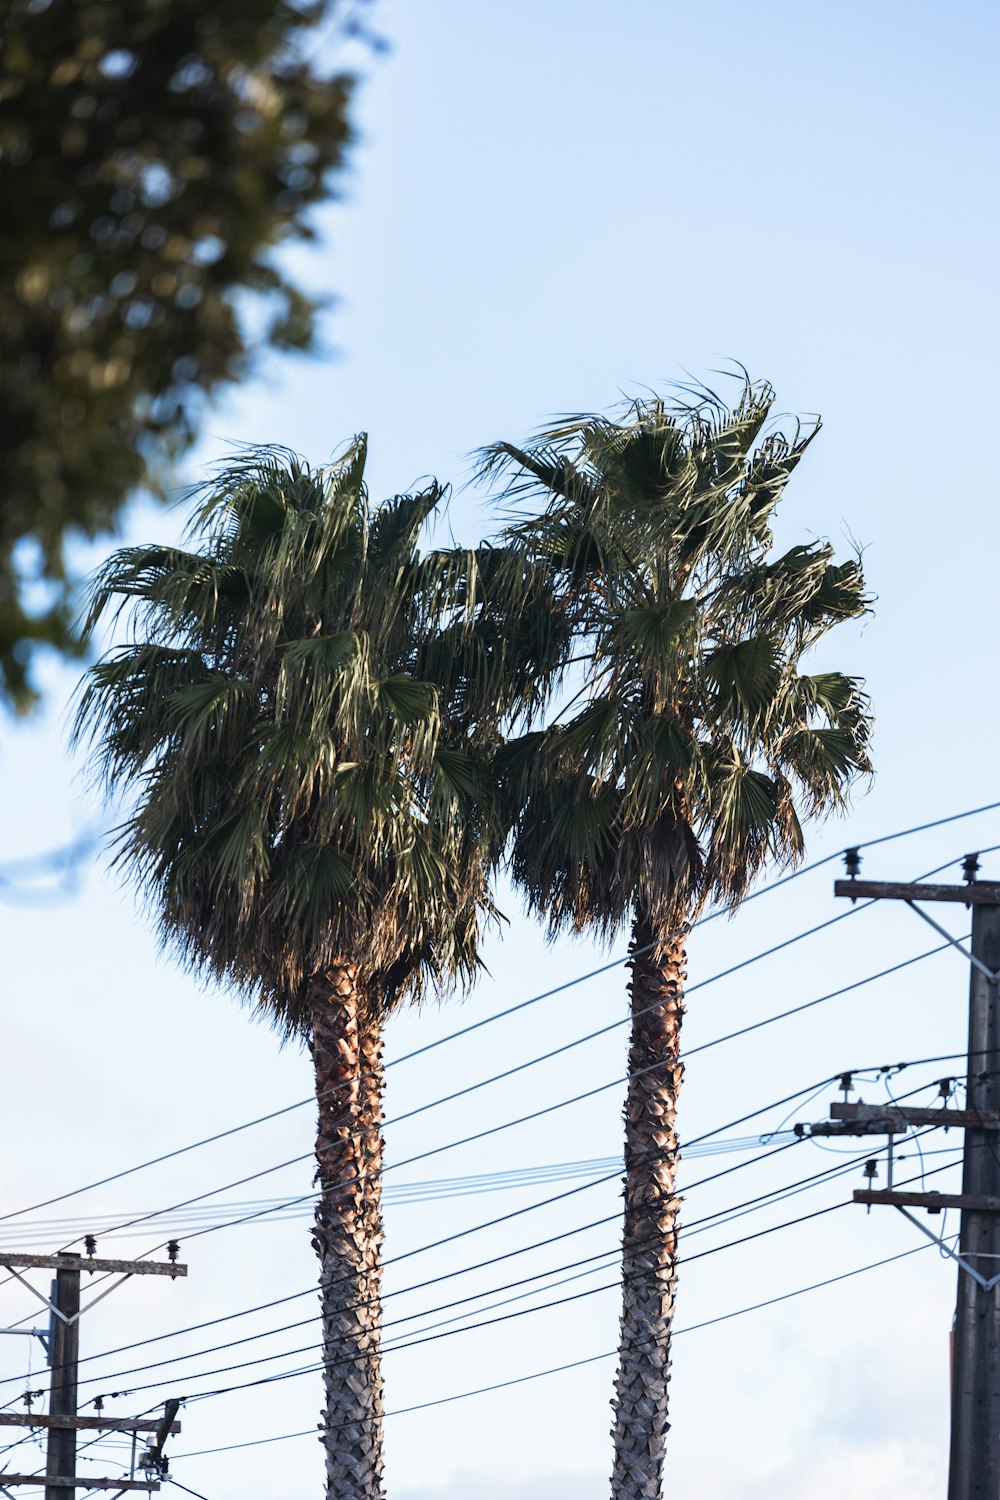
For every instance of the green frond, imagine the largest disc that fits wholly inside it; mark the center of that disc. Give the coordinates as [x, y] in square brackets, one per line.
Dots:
[397, 523]
[540, 464]
[830, 693]
[663, 753]
[746, 677]
[313, 880]
[200, 709]
[842, 595]
[236, 850]
[460, 774]
[689, 635]
[823, 761]
[593, 736]
[657, 629]
[327, 652]
[302, 720]
[408, 701]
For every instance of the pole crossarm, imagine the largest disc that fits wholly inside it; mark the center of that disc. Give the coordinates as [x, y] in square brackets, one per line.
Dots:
[933, 1202]
[878, 1125]
[961, 1119]
[977, 893]
[81, 1424]
[57, 1482]
[169, 1268]
[893, 1119]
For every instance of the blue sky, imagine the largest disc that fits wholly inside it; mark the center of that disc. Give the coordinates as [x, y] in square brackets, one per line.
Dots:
[553, 203]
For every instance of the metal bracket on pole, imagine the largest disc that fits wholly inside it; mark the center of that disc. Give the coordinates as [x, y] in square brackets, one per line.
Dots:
[977, 963]
[41, 1334]
[51, 1305]
[987, 1283]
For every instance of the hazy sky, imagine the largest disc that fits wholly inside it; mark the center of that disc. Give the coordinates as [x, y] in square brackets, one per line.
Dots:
[553, 203]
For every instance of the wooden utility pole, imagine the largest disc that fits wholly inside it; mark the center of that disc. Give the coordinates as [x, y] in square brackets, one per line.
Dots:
[974, 1469]
[62, 1421]
[64, 1352]
[974, 1472]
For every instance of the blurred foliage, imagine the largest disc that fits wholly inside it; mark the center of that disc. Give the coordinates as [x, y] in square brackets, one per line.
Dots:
[153, 155]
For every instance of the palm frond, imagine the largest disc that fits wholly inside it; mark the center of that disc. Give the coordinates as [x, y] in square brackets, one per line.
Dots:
[699, 724]
[302, 720]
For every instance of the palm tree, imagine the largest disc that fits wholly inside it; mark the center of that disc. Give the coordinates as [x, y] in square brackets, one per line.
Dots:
[695, 751]
[310, 817]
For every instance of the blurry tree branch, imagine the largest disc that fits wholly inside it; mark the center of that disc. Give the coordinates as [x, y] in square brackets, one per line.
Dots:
[154, 154]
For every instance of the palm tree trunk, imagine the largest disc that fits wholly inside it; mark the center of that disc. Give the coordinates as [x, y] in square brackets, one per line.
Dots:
[649, 1247]
[347, 1056]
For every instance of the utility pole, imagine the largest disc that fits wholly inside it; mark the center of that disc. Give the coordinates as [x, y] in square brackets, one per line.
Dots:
[974, 1471]
[64, 1353]
[974, 1466]
[62, 1421]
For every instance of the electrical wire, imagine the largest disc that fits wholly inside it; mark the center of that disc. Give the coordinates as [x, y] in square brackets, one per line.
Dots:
[602, 1031]
[782, 1015]
[521, 1005]
[710, 1221]
[177, 1484]
[107, 1379]
[433, 1190]
[289, 1203]
[430, 1104]
[425, 1333]
[573, 1364]
[523, 1312]
[435, 1244]
[811, 1089]
[423, 1338]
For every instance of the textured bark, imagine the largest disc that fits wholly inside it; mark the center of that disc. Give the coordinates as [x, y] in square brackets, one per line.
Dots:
[649, 1247]
[347, 1056]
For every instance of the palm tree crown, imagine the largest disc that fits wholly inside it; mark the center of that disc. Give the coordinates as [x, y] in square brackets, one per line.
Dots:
[302, 790]
[699, 742]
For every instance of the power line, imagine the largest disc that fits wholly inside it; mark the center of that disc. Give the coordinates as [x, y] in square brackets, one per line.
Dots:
[471, 1088]
[782, 1015]
[881, 1070]
[430, 1104]
[577, 1363]
[184, 1487]
[489, 1181]
[519, 1006]
[444, 1307]
[604, 1255]
[289, 1203]
[504, 1218]
[715, 1220]
[432, 1190]
[461, 1093]
[815, 1179]
[523, 1312]
[713, 1177]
